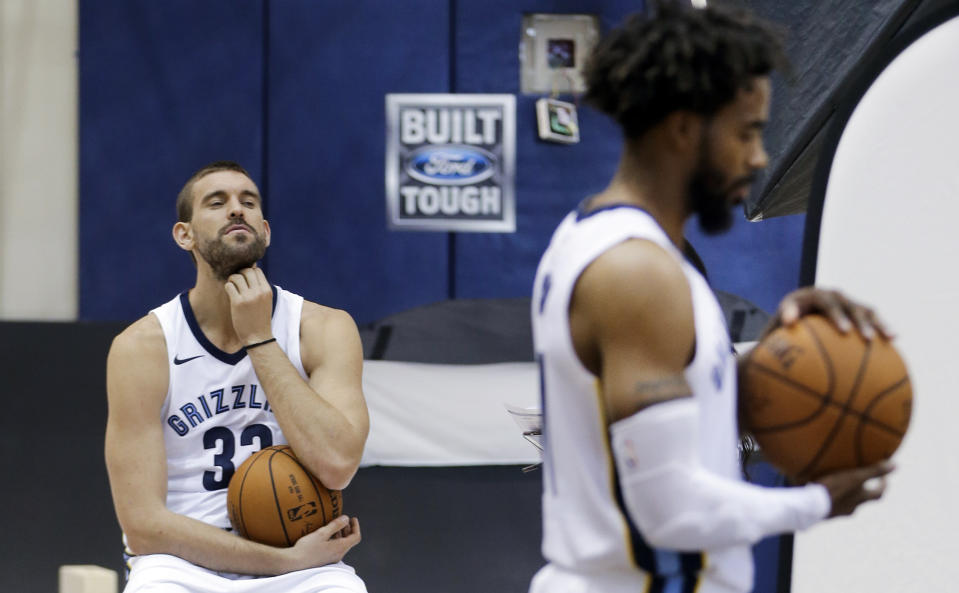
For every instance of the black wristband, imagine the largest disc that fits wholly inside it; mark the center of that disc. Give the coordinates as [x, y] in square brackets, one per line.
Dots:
[260, 343]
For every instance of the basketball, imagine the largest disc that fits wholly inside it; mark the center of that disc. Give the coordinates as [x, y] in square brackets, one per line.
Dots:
[274, 500]
[818, 401]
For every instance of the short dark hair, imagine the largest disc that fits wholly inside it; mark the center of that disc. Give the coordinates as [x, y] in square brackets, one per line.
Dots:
[676, 57]
[184, 200]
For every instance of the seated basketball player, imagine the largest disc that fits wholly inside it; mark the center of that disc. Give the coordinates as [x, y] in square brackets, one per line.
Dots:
[226, 368]
[642, 488]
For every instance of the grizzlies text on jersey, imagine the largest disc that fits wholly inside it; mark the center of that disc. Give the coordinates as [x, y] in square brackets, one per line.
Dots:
[216, 414]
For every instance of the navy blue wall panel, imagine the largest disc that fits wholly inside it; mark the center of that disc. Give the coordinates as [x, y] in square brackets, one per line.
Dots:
[330, 71]
[757, 261]
[165, 87]
[550, 178]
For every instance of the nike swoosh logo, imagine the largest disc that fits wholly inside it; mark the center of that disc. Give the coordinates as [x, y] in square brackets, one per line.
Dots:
[182, 360]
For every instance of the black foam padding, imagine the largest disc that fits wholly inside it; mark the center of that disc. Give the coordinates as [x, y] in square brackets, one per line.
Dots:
[462, 529]
[56, 498]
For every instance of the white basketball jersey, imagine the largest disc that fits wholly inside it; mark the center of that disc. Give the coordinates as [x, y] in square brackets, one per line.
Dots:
[586, 528]
[216, 414]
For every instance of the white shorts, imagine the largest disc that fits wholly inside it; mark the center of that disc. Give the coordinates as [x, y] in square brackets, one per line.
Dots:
[162, 573]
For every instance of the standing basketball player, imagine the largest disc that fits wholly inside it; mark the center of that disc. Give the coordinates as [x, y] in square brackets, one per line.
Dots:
[642, 489]
[227, 368]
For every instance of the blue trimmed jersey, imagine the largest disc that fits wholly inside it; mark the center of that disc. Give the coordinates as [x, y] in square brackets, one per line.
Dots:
[216, 414]
[589, 539]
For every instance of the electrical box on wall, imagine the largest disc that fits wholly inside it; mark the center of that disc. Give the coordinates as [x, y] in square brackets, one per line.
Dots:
[553, 49]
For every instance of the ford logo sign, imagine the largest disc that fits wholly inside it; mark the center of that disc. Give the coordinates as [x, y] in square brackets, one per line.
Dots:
[450, 165]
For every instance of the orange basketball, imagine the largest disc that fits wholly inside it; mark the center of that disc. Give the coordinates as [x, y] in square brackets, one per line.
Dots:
[274, 500]
[818, 401]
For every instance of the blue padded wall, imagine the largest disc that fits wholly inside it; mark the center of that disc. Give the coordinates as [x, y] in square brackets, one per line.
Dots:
[758, 261]
[330, 69]
[550, 178]
[165, 87]
[295, 91]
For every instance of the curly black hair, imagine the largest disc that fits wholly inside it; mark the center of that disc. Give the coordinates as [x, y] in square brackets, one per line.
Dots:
[676, 57]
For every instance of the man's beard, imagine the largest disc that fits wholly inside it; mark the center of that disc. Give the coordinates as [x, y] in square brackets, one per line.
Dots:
[710, 206]
[708, 198]
[226, 259]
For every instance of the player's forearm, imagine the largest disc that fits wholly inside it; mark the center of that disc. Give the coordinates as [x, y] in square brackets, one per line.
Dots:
[166, 532]
[323, 437]
[678, 504]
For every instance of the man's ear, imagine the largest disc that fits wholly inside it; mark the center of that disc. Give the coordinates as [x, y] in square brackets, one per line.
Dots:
[684, 131]
[183, 236]
[266, 232]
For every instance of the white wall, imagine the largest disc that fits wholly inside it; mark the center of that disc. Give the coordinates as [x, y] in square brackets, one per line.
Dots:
[38, 159]
[890, 237]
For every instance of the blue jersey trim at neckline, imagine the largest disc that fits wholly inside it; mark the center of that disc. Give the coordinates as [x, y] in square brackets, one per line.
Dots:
[582, 213]
[228, 357]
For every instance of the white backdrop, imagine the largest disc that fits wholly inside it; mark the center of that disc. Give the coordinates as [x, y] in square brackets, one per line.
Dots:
[38, 159]
[889, 237]
[448, 414]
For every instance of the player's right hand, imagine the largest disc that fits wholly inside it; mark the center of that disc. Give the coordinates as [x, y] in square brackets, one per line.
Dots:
[326, 545]
[251, 305]
[850, 488]
[844, 312]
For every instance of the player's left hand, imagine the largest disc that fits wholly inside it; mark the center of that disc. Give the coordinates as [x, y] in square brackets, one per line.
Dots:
[844, 313]
[251, 305]
[326, 545]
[850, 488]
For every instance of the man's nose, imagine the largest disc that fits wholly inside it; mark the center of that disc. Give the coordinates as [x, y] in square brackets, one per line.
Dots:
[235, 208]
[759, 159]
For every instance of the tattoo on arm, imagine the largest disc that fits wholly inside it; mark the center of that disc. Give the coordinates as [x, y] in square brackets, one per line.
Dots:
[660, 390]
